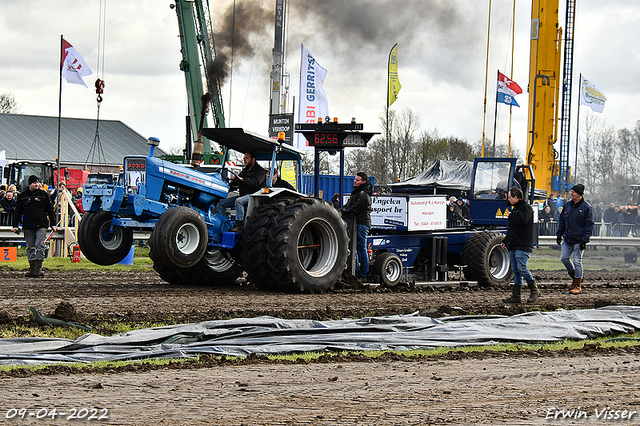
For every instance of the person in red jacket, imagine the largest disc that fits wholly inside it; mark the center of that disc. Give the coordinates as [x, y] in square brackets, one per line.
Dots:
[35, 211]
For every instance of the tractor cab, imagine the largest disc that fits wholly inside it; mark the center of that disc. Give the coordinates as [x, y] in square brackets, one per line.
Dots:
[490, 183]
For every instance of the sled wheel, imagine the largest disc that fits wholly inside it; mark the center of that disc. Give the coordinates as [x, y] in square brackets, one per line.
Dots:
[487, 262]
[388, 266]
[99, 243]
[180, 237]
[308, 246]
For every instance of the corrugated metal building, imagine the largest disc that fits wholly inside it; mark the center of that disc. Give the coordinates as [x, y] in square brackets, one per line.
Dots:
[35, 138]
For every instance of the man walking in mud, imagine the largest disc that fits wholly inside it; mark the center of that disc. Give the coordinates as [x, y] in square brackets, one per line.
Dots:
[35, 211]
[519, 242]
[576, 227]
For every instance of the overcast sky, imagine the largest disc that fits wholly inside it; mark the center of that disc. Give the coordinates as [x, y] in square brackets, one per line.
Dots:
[441, 60]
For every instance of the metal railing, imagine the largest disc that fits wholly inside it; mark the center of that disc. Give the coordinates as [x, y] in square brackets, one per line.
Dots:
[600, 229]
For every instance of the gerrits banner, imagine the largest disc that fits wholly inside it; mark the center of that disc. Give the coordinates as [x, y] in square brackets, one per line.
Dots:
[313, 100]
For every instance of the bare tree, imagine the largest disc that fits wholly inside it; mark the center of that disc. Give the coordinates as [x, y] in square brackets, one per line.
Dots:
[390, 155]
[8, 104]
[598, 165]
[329, 164]
[629, 143]
[429, 148]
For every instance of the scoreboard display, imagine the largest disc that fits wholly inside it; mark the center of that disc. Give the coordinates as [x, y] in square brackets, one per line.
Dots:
[334, 135]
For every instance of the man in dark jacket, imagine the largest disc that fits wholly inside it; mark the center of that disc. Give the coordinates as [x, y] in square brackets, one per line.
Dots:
[576, 227]
[358, 208]
[279, 183]
[35, 211]
[519, 242]
[249, 180]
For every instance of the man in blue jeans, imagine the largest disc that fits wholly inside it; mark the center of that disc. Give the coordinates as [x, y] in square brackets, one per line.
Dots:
[519, 242]
[576, 226]
[35, 211]
[359, 209]
[249, 180]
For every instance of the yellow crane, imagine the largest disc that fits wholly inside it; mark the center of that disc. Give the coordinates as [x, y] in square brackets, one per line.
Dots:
[544, 92]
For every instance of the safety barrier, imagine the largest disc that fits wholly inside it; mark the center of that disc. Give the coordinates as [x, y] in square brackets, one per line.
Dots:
[600, 229]
[5, 218]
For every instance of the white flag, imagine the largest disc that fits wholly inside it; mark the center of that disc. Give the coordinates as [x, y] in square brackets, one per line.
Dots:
[591, 96]
[73, 66]
[3, 158]
[313, 100]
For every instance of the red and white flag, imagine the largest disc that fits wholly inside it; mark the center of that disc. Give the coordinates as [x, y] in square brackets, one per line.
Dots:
[73, 66]
[507, 90]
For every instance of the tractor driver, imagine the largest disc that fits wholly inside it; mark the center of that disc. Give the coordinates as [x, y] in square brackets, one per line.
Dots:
[249, 180]
[503, 184]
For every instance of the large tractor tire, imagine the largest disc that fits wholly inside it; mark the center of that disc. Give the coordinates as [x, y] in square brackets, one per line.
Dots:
[307, 246]
[388, 266]
[99, 243]
[180, 237]
[486, 261]
[167, 273]
[254, 245]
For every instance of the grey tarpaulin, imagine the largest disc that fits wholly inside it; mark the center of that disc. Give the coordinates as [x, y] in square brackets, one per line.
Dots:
[444, 176]
[268, 335]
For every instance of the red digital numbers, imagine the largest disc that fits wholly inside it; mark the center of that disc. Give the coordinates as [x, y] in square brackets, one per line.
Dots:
[326, 139]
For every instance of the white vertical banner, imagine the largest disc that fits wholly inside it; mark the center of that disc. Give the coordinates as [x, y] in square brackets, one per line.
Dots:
[591, 96]
[313, 100]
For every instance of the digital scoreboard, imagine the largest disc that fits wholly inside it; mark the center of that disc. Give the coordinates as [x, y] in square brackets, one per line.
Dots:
[334, 135]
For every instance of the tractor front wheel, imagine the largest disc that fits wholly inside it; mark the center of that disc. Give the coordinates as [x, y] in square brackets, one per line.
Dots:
[101, 243]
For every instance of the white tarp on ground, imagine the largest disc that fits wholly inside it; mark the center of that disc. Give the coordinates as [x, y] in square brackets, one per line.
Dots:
[268, 335]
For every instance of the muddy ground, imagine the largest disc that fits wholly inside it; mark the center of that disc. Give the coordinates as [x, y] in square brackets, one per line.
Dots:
[489, 388]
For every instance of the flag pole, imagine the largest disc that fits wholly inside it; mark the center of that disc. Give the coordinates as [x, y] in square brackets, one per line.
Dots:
[486, 81]
[513, 35]
[388, 87]
[575, 167]
[495, 119]
[60, 104]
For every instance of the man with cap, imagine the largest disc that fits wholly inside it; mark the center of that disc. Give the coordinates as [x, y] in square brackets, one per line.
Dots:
[35, 211]
[576, 227]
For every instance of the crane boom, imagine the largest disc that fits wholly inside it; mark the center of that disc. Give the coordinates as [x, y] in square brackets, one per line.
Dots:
[544, 85]
[197, 48]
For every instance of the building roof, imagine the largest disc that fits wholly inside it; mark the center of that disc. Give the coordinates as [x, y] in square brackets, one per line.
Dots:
[31, 137]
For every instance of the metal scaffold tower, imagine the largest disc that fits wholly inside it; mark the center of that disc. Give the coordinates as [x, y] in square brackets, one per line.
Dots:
[567, 78]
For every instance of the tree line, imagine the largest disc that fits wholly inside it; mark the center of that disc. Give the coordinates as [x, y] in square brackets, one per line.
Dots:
[608, 160]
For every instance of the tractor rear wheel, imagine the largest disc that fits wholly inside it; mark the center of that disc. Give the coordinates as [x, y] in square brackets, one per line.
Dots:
[486, 261]
[180, 237]
[99, 243]
[254, 246]
[307, 246]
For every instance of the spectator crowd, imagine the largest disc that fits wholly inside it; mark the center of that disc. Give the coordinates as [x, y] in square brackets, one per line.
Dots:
[612, 220]
[9, 194]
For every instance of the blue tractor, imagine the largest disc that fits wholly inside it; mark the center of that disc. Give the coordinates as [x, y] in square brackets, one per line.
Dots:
[290, 242]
